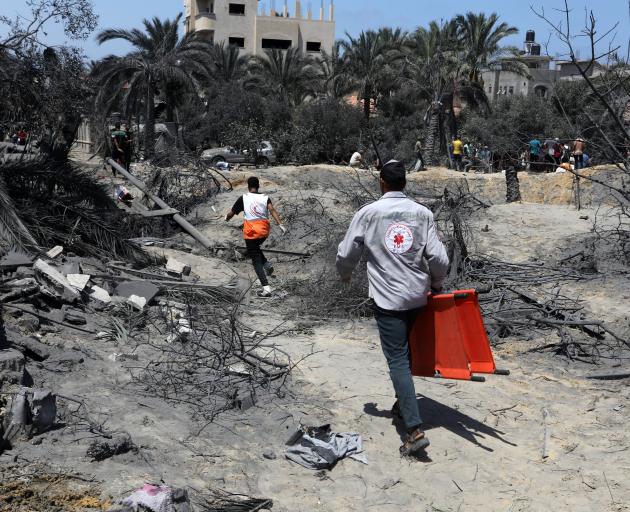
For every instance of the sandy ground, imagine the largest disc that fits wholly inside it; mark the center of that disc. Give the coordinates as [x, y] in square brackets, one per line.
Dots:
[486, 438]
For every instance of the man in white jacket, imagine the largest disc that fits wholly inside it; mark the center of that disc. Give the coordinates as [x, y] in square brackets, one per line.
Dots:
[405, 261]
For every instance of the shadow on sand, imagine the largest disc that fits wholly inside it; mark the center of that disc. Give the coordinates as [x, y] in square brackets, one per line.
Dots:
[437, 415]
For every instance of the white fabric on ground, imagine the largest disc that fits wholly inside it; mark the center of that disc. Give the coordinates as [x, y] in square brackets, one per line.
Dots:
[313, 453]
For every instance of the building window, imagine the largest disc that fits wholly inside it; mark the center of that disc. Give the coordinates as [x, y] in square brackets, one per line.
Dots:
[239, 42]
[276, 44]
[511, 90]
[312, 46]
[206, 7]
[490, 90]
[540, 91]
[237, 9]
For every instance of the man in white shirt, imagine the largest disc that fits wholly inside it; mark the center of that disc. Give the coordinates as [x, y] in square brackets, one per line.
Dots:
[256, 209]
[405, 261]
[356, 161]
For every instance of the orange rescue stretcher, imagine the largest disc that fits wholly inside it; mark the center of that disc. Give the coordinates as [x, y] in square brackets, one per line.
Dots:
[449, 339]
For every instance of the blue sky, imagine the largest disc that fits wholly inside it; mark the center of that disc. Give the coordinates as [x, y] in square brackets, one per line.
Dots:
[356, 15]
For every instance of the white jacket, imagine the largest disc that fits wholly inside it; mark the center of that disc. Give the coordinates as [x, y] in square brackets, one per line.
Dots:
[405, 257]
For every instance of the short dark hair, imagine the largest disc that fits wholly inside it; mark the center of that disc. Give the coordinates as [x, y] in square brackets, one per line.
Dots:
[117, 125]
[393, 173]
[253, 182]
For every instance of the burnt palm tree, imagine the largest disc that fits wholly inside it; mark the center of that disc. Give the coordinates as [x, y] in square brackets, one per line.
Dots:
[160, 61]
[286, 73]
[481, 39]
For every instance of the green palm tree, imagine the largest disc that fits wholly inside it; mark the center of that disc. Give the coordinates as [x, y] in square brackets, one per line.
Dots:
[365, 58]
[287, 73]
[435, 68]
[333, 73]
[481, 39]
[228, 65]
[160, 60]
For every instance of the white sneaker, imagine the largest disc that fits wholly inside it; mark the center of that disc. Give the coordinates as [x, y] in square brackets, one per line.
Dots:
[265, 292]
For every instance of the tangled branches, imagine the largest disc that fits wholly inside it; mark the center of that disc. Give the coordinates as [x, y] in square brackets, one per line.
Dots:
[188, 184]
[206, 359]
[511, 309]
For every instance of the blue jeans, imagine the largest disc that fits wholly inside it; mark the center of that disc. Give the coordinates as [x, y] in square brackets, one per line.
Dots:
[394, 328]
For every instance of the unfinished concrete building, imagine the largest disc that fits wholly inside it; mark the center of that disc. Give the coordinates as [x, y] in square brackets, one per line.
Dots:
[252, 27]
[544, 72]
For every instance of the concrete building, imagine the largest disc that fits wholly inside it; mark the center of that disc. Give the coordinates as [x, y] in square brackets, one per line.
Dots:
[544, 72]
[248, 25]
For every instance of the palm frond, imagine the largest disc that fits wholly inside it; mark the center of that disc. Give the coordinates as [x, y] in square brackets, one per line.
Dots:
[12, 230]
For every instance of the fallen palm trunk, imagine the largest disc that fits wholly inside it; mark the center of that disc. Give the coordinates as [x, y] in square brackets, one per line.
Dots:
[185, 225]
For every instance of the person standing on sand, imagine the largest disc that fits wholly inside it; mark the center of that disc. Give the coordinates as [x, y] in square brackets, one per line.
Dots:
[579, 146]
[405, 261]
[534, 153]
[118, 140]
[256, 209]
[128, 147]
[458, 151]
[419, 157]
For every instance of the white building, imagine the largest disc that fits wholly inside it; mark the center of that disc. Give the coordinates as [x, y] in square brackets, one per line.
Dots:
[249, 26]
[544, 72]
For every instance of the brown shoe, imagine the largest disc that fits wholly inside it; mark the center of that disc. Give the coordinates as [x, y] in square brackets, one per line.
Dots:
[415, 442]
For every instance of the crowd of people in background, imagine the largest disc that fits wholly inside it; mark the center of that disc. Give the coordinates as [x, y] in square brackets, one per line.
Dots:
[556, 155]
[18, 136]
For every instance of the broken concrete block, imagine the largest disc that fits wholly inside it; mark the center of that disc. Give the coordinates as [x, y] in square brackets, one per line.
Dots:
[184, 331]
[30, 346]
[11, 365]
[97, 293]
[15, 259]
[123, 357]
[239, 369]
[22, 283]
[43, 410]
[55, 277]
[138, 302]
[78, 281]
[74, 318]
[174, 266]
[144, 289]
[70, 266]
[17, 419]
[54, 252]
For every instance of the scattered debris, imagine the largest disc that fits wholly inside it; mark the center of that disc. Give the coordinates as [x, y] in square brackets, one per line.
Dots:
[158, 499]
[78, 281]
[101, 450]
[31, 412]
[319, 448]
[144, 289]
[99, 294]
[54, 252]
[119, 357]
[178, 268]
[55, 278]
